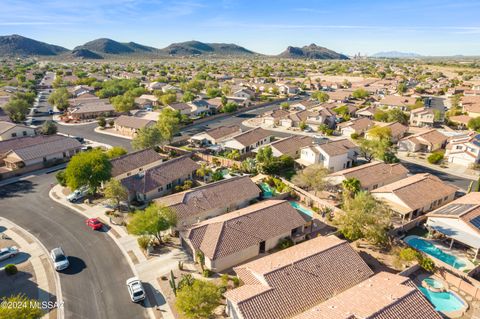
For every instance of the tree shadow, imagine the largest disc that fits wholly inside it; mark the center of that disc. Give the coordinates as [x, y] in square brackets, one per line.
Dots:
[18, 259]
[16, 189]
[77, 265]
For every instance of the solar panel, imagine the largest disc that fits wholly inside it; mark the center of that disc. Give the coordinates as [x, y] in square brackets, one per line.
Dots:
[454, 209]
[476, 222]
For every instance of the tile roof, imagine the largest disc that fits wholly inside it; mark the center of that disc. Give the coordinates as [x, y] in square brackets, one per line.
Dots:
[21, 142]
[222, 131]
[48, 147]
[290, 145]
[233, 232]
[133, 122]
[374, 173]
[211, 196]
[396, 100]
[418, 190]
[252, 136]
[6, 125]
[160, 175]
[132, 161]
[383, 296]
[338, 147]
[293, 280]
[359, 125]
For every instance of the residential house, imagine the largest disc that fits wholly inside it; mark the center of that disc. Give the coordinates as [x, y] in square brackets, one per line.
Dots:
[244, 93]
[288, 89]
[397, 130]
[294, 119]
[135, 162]
[146, 101]
[89, 108]
[216, 135]
[78, 90]
[304, 105]
[333, 155]
[422, 117]
[233, 238]
[340, 96]
[277, 286]
[130, 125]
[290, 145]
[9, 130]
[459, 221]
[35, 152]
[371, 175]
[182, 108]
[210, 200]
[368, 112]
[355, 126]
[161, 179]
[273, 118]
[417, 194]
[247, 141]
[464, 149]
[395, 101]
[471, 105]
[156, 86]
[427, 141]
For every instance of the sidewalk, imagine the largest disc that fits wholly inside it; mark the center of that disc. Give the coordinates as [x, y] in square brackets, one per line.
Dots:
[452, 169]
[30, 175]
[46, 279]
[107, 131]
[149, 270]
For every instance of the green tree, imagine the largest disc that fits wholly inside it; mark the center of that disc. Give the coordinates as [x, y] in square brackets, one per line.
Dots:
[27, 308]
[89, 169]
[312, 177]
[115, 152]
[198, 300]
[59, 98]
[474, 124]
[17, 109]
[364, 217]
[397, 115]
[402, 87]
[351, 186]
[188, 97]
[48, 128]
[168, 123]
[435, 157]
[214, 92]
[320, 96]
[380, 133]
[102, 122]
[360, 93]
[115, 192]
[284, 105]
[147, 137]
[168, 98]
[152, 221]
[233, 155]
[230, 107]
[204, 171]
[123, 103]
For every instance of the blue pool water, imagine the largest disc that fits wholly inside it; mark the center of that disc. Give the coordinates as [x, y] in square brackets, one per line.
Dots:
[443, 301]
[433, 283]
[430, 249]
[302, 209]
[267, 190]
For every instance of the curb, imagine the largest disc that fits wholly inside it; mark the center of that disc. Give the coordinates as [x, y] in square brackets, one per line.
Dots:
[465, 176]
[99, 131]
[110, 234]
[58, 287]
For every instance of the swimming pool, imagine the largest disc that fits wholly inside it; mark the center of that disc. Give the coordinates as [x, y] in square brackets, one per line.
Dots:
[433, 284]
[267, 191]
[430, 249]
[444, 301]
[301, 209]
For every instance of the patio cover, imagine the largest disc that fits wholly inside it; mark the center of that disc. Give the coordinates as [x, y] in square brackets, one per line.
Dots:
[456, 229]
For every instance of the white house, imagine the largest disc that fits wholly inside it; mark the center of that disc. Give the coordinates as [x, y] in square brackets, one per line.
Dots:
[464, 150]
[334, 155]
[249, 140]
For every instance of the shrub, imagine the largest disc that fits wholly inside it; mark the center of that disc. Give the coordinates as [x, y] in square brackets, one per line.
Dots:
[435, 158]
[408, 254]
[355, 136]
[11, 269]
[285, 243]
[143, 242]
[207, 273]
[60, 176]
[427, 264]
[236, 281]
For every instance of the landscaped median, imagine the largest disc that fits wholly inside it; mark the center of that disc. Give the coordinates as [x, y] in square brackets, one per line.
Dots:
[28, 279]
[148, 268]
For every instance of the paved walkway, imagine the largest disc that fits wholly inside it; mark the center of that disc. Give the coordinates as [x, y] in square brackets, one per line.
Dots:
[148, 269]
[452, 169]
[110, 131]
[46, 279]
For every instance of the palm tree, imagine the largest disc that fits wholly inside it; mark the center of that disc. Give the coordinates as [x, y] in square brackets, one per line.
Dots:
[204, 171]
[351, 186]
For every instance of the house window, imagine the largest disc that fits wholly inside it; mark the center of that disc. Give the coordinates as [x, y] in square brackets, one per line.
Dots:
[14, 134]
[375, 186]
[169, 185]
[160, 189]
[24, 133]
[445, 198]
[128, 174]
[44, 159]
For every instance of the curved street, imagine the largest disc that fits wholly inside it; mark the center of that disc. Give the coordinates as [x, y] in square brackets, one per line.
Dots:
[94, 285]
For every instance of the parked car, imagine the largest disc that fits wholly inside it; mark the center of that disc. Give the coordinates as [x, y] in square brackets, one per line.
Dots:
[60, 260]
[94, 223]
[149, 109]
[8, 252]
[135, 289]
[77, 194]
[50, 112]
[79, 138]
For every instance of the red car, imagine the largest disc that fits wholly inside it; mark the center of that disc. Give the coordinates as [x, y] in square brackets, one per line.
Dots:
[94, 223]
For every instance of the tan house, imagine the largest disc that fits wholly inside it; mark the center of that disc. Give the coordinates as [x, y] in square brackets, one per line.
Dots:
[289, 145]
[238, 236]
[161, 179]
[395, 101]
[471, 105]
[135, 162]
[247, 141]
[322, 278]
[216, 135]
[422, 117]
[90, 109]
[130, 125]
[210, 200]
[397, 130]
[427, 141]
[417, 194]
[371, 175]
[9, 130]
[355, 126]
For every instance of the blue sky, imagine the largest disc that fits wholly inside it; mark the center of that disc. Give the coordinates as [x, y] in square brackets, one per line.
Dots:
[429, 27]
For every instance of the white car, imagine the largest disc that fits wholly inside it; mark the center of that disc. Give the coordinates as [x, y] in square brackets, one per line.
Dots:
[77, 194]
[135, 289]
[60, 260]
[8, 252]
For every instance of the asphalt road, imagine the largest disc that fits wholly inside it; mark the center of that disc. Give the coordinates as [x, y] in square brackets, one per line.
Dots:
[94, 285]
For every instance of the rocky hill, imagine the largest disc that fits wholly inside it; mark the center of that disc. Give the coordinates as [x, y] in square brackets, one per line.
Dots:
[16, 45]
[311, 51]
[200, 48]
[108, 46]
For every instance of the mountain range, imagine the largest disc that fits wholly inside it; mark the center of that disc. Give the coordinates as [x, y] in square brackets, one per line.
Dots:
[395, 54]
[16, 45]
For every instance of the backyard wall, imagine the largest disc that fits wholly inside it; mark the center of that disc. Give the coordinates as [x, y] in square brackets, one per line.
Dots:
[223, 161]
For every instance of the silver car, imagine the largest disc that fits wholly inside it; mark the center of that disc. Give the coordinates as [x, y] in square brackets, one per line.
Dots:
[60, 260]
[135, 289]
[8, 252]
